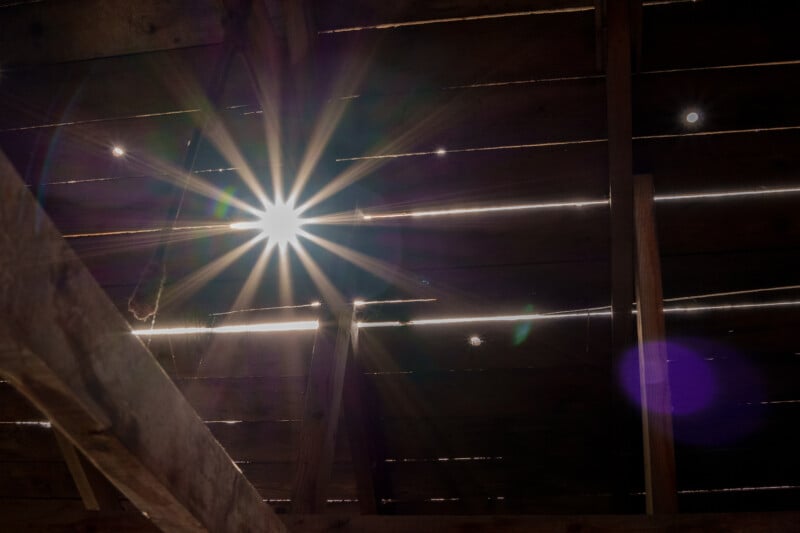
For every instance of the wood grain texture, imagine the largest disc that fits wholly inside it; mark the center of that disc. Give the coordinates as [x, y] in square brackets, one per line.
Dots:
[72, 355]
[659, 445]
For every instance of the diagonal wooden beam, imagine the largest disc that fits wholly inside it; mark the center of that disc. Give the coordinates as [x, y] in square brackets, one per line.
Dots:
[64, 345]
[659, 448]
[96, 492]
[321, 413]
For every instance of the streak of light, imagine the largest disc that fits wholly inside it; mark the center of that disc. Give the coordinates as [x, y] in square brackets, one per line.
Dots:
[359, 303]
[376, 267]
[392, 25]
[264, 327]
[329, 292]
[557, 205]
[549, 144]
[597, 312]
[726, 67]
[546, 144]
[193, 282]
[733, 293]
[732, 489]
[250, 286]
[482, 210]
[144, 230]
[725, 194]
[221, 138]
[731, 307]
[285, 287]
[37, 423]
[277, 308]
[348, 80]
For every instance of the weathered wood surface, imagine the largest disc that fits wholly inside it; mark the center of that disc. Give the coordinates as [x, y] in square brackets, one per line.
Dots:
[96, 491]
[50, 32]
[72, 355]
[654, 383]
[322, 412]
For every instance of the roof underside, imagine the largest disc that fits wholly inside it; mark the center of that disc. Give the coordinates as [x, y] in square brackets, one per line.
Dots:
[534, 419]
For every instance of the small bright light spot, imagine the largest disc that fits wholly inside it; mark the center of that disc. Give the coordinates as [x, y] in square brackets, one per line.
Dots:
[358, 303]
[279, 223]
[118, 151]
[316, 304]
[441, 151]
[475, 340]
[692, 117]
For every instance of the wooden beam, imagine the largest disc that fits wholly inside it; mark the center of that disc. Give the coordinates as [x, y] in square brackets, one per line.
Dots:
[362, 431]
[620, 171]
[659, 447]
[321, 413]
[95, 490]
[729, 523]
[67, 349]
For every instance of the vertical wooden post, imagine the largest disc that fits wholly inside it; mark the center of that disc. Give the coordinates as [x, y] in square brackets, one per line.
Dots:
[659, 448]
[620, 171]
[620, 176]
[321, 413]
[359, 416]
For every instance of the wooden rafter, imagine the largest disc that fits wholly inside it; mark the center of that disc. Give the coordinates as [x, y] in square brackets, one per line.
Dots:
[67, 349]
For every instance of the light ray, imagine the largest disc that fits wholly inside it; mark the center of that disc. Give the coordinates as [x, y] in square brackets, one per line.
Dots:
[329, 292]
[193, 282]
[381, 269]
[484, 210]
[264, 327]
[285, 288]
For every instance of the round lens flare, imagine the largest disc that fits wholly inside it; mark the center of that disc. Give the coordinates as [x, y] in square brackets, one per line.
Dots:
[692, 117]
[280, 224]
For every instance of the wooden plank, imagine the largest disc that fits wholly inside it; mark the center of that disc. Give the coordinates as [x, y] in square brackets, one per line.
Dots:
[59, 515]
[96, 492]
[732, 522]
[49, 32]
[654, 383]
[359, 13]
[492, 393]
[321, 413]
[248, 399]
[468, 52]
[133, 430]
[717, 32]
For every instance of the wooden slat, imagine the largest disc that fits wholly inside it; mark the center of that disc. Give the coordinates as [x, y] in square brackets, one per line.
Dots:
[50, 32]
[69, 515]
[654, 383]
[132, 429]
[355, 13]
[249, 399]
[733, 522]
[468, 52]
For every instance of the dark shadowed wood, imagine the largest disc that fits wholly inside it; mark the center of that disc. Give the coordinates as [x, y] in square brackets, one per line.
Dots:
[68, 515]
[72, 355]
[360, 419]
[321, 413]
[95, 490]
[659, 446]
[731, 523]
[51, 32]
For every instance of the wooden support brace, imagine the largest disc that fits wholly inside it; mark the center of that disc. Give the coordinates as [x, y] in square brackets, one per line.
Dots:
[659, 448]
[96, 492]
[321, 413]
[65, 346]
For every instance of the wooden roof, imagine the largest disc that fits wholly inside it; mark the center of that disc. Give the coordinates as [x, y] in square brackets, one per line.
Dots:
[532, 421]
